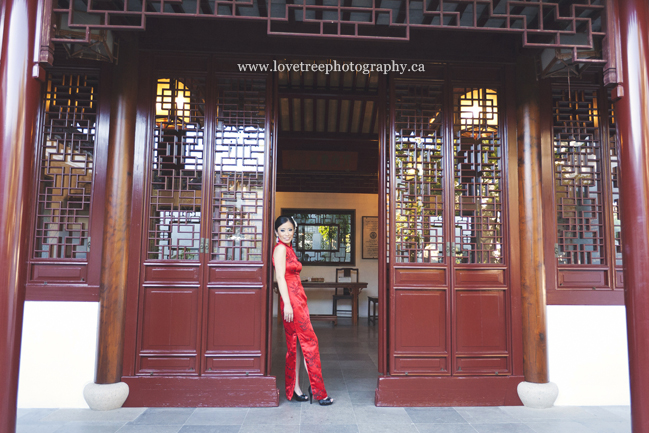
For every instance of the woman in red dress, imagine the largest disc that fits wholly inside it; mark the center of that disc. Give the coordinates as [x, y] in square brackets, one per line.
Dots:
[297, 323]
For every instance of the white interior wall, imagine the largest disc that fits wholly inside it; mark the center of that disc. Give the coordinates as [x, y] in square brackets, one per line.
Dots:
[57, 358]
[588, 357]
[320, 301]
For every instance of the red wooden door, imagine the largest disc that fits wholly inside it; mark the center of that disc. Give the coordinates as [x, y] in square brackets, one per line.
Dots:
[449, 293]
[203, 290]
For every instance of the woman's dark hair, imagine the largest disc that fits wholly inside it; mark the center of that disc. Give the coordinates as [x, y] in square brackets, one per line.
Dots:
[284, 219]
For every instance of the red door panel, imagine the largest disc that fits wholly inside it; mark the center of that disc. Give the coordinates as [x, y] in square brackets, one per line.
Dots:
[422, 325]
[169, 320]
[480, 322]
[234, 320]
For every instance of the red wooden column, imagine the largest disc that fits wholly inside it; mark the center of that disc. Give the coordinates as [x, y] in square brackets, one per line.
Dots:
[19, 99]
[535, 358]
[119, 180]
[632, 112]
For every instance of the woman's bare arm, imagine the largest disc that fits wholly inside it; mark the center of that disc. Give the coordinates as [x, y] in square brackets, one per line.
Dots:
[279, 257]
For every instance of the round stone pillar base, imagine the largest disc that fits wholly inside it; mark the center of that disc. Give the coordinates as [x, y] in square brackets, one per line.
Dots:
[538, 395]
[105, 396]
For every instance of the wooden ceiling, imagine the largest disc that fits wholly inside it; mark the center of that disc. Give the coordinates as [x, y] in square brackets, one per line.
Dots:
[328, 120]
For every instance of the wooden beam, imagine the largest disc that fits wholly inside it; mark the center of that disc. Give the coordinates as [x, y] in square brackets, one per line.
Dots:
[114, 264]
[530, 207]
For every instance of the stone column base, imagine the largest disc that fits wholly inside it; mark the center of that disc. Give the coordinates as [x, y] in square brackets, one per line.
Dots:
[538, 395]
[105, 396]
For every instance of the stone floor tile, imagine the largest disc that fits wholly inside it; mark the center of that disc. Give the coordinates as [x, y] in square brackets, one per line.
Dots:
[362, 398]
[502, 428]
[31, 416]
[329, 428]
[143, 428]
[623, 412]
[90, 427]
[328, 415]
[124, 414]
[210, 429]
[599, 426]
[217, 416]
[558, 427]
[165, 416]
[566, 413]
[270, 428]
[604, 414]
[387, 428]
[39, 428]
[372, 414]
[445, 428]
[434, 415]
[484, 415]
[286, 414]
[362, 384]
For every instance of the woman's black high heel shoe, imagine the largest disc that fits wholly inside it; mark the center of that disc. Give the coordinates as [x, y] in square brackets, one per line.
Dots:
[324, 402]
[302, 397]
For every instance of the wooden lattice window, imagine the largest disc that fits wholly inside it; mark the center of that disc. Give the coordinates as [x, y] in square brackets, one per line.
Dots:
[615, 192]
[67, 151]
[238, 201]
[419, 170]
[578, 177]
[324, 237]
[478, 191]
[176, 200]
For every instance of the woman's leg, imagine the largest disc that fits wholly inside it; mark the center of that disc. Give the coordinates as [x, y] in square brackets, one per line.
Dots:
[290, 376]
[300, 355]
[309, 345]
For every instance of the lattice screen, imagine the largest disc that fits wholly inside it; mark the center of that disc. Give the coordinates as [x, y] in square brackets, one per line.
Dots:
[419, 198]
[66, 167]
[578, 177]
[238, 203]
[615, 192]
[177, 169]
[478, 193]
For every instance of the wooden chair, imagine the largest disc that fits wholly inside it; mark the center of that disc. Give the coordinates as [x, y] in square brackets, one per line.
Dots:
[344, 275]
[374, 317]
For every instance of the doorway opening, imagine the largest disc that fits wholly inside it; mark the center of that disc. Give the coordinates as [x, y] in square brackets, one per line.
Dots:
[327, 157]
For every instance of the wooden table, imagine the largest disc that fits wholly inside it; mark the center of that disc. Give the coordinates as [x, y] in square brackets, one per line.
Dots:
[356, 290]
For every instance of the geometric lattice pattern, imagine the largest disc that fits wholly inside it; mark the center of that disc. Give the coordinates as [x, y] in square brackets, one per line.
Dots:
[238, 200]
[478, 191]
[67, 149]
[418, 169]
[578, 177]
[323, 237]
[576, 25]
[615, 192]
[177, 169]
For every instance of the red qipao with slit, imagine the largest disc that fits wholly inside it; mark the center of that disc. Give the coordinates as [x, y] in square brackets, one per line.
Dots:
[299, 329]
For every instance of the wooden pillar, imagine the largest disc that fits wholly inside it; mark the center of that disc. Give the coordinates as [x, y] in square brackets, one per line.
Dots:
[19, 99]
[535, 358]
[632, 115]
[119, 180]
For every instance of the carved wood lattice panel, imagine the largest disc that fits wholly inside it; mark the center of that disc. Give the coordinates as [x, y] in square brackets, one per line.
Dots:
[575, 26]
[238, 203]
[578, 177]
[615, 192]
[478, 193]
[177, 169]
[418, 171]
[66, 167]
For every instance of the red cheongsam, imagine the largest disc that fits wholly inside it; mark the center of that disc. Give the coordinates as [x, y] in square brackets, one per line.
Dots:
[300, 328]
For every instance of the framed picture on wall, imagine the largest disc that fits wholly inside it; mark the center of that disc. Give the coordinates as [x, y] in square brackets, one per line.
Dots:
[370, 237]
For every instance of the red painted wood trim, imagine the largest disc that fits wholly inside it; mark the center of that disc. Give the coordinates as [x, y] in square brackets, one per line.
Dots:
[448, 391]
[19, 100]
[164, 391]
[51, 292]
